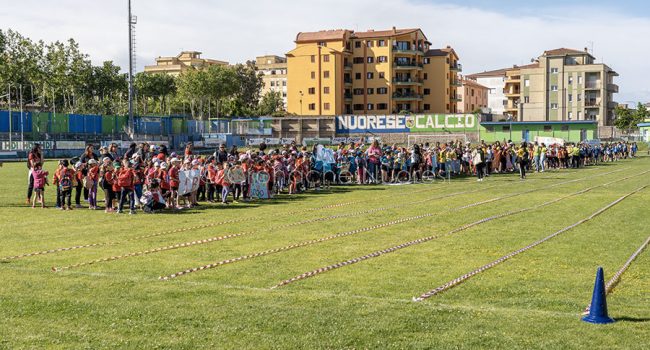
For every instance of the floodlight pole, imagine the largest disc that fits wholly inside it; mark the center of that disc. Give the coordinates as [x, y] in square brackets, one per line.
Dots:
[130, 22]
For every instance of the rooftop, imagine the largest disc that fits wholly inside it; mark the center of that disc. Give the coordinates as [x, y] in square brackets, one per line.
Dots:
[339, 34]
[490, 73]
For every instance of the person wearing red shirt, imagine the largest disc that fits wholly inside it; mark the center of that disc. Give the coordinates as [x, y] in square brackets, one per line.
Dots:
[174, 181]
[222, 180]
[66, 180]
[126, 180]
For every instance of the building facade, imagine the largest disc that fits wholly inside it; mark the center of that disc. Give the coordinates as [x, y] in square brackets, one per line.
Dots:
[336, 72]
[473, 96]
[495, 82]
[184, 61]
[274, 70]
[561, 85]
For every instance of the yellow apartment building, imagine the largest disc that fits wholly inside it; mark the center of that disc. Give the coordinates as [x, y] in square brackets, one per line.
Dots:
[175, 65]
[335, 72]
[562, 85]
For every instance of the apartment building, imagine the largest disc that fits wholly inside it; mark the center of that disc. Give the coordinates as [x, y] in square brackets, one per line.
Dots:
[335, 72]
[562, 85]
[274, 70]
[473, 96]
[495, 82]
[175, 65]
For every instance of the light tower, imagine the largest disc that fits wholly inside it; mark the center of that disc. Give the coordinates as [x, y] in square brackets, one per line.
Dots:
[132, 21]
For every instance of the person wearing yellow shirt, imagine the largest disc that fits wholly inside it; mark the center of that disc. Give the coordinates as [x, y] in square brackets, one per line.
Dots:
[523, 157]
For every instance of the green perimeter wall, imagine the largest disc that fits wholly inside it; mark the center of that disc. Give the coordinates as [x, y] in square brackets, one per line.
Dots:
[568, 132]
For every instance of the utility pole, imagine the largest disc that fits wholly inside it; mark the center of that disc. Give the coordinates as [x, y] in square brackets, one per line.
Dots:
[132, 21]
[22, 133]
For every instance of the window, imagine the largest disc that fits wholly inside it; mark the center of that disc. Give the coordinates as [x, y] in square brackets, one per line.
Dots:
[526, 99]
[284, 83]
[371, 91]
[357, 60]
[312, 106]
[526, 82]
[326, 90]
[313, 75]
[370, 106]
[382, 106]
[426, 76]
[272, 83]
[472, 94]
[548, 128]
[570, 97]
[570, 80]
[382, 91]
[370, 75]
[553, 87]
[447, 106]
[554, 70]
[326, 106]
[381, 43]
[370, 59]
[382, 75]
[284, 94]
[326, 58]
[427, 106]
[427, 91]
[427, 60]
[358, 91]
[322, 43]
[579, 97]
[357, 44]
[313, 58]
[326, 74]
[570, 115]
[358, 107]
[312, 91]
[382, 59]
[553, 105]
[357, 76]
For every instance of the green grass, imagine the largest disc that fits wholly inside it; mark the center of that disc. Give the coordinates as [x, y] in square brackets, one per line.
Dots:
[532, 301]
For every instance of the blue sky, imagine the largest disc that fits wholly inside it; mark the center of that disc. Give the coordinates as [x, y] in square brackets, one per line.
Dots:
[487, 34]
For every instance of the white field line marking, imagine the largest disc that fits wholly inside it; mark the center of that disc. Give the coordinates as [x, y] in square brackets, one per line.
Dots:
[490, 265]
[430, 238]
[348, 233]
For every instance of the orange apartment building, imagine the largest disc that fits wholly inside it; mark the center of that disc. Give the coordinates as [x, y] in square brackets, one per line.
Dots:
[335, 72]
[473, 96]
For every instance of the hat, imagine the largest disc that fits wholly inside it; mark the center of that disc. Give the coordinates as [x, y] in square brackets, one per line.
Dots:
[195, 162]
[173, 155]
[117, 165]
[156, 164]
[163, 165]
[175, 160]
[92, 161]
[78, 165]
[65, 163]
[106, 159]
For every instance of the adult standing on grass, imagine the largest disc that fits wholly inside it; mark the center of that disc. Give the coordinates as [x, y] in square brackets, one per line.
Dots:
[34, 158]
[374, 156]
[478, 158]
[523, 156]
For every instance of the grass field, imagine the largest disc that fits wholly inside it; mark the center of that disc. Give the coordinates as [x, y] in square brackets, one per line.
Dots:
[532, 301]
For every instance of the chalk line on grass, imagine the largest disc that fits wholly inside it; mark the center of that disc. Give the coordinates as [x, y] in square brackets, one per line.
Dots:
[430, 238]
[365, 229]
[490, 265]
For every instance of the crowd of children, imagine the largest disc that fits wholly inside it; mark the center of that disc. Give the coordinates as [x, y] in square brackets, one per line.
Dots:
[149, 177]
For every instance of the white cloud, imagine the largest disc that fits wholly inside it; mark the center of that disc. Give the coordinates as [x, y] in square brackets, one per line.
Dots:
[240, 30]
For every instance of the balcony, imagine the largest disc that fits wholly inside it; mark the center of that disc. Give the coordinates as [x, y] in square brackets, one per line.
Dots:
[511, 92]
[407, 50]
[456, 99]
[347, 81]
[456, 67]
[592, 103]
[407, 81]
[456, 83]
[347, 66]
[348, 97]
[516, 79]
[406, 96]
[593, 85]
[612, 88]
[407, 65]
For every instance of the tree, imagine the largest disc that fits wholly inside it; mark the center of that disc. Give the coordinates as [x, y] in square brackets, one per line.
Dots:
[627, 119]
[203, 89]
[271, 103]
[249, 88]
